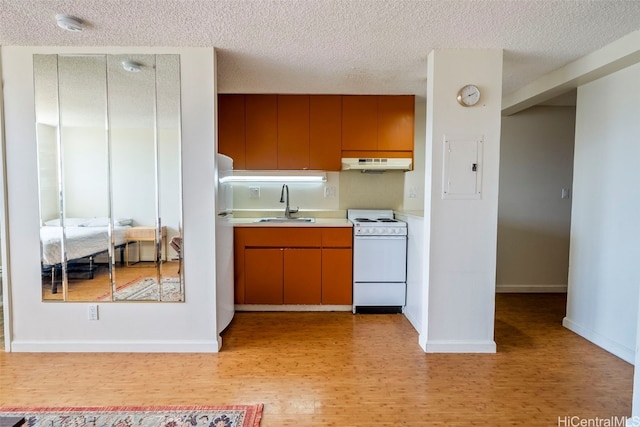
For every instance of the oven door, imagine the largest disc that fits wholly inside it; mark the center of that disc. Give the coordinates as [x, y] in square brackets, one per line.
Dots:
[379, 258]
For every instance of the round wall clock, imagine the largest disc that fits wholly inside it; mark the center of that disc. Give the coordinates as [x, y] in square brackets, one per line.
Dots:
[468, 95]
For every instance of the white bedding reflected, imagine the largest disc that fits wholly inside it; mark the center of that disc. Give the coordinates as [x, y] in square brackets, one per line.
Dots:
[80, 242]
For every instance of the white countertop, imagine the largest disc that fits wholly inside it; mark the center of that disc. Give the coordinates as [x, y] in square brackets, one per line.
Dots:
[319, 222]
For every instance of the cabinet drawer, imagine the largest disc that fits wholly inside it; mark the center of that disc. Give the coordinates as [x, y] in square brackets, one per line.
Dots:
[337, 237]
[286, 237]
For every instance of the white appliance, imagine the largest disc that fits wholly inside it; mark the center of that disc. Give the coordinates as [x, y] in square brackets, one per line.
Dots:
[379, 260]
[224, 243]
[376, 164]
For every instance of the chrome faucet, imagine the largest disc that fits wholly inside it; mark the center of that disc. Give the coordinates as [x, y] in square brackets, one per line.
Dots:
[284, 198]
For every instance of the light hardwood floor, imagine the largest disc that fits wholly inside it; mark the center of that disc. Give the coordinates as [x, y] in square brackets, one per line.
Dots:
[339, 369]
[99, 287]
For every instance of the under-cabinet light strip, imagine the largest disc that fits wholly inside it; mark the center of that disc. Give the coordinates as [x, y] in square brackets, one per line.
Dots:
[266, 178]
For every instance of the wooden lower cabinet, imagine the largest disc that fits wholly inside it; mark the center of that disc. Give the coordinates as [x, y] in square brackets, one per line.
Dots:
[293, 265]
[302, 276]
[337, 276]
[263, 276]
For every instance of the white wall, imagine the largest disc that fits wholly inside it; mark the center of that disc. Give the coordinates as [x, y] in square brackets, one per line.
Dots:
[182, 327]
[414, 309]
[414, 183]
[604, 271]
[462, 253]
[536, 163]
[350, 189]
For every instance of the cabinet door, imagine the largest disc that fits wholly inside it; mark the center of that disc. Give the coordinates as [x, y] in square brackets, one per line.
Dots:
[302, 276]
[261, 112]
[337, 276]
[293, 132]
[263, 276]
[359, 122]
[395, 122]
[325, 132]
[231, 133]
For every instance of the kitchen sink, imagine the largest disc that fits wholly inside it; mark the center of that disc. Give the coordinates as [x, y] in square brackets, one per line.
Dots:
[282, 219]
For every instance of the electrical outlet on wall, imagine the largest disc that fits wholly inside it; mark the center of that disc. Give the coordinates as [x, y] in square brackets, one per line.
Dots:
[254, 192]
[413, 192]
[330, 192]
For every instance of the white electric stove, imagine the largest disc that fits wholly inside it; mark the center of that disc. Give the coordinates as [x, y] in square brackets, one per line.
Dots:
[379, 260]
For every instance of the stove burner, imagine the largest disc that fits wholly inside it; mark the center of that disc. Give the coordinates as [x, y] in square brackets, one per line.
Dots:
[386, 220]
[365, 220]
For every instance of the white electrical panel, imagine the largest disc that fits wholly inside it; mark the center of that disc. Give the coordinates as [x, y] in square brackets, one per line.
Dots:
[462, 167]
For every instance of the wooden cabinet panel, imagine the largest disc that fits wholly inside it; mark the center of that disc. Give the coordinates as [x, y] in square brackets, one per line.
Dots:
[297, 132]
[337, 237]
[325, 132]
[302, 276]
[231, 128]
[261, 115]
[293, 265]
[337, 276]
[359, 122]
[289, 237]
[293, 132]
[263, 270]
[396, 122]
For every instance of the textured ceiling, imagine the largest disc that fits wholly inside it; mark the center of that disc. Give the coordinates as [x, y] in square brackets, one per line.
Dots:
[334, 46]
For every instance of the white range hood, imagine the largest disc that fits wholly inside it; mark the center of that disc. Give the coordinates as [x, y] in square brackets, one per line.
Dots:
[376, 164]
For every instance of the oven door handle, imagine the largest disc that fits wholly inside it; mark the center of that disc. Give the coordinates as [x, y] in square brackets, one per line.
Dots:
[358, 237]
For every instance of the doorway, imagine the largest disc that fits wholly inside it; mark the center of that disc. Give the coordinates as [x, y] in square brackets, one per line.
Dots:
[534, 206]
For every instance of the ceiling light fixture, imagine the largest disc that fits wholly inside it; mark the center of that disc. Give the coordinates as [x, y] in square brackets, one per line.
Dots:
[69, 23]
[131, 66]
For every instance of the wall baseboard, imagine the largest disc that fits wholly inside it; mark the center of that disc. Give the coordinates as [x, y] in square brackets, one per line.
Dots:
[413, 319]
[115, 347]
[529, 289]
[624, 353]
[460, 346]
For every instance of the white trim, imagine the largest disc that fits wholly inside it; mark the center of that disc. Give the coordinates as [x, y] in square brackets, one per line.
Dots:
[624, 353]
[451, 346]
[116, 346]
[413, 318]
[506, 288]
[292, 307]
[422, 341]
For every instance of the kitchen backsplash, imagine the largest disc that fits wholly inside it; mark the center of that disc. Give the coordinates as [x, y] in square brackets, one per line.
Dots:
[343, 190]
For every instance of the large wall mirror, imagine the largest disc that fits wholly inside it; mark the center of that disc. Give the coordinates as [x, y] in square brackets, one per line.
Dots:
[109, 158]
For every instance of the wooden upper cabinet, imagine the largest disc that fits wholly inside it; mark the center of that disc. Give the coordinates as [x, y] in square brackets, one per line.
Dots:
[231, 128]
[293, 132]
[359, 122]
[396, 122]
[325, 132]
[261, 115]
[297, 132]
[374, 125]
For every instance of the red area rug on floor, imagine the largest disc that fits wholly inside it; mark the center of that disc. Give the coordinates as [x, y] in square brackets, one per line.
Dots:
[142, 416]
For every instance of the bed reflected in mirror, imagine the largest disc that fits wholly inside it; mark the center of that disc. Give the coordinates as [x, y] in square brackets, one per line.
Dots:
[108, 131]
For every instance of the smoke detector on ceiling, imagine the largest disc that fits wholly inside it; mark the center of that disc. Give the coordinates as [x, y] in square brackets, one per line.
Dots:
[131, 66]
[69, 23]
